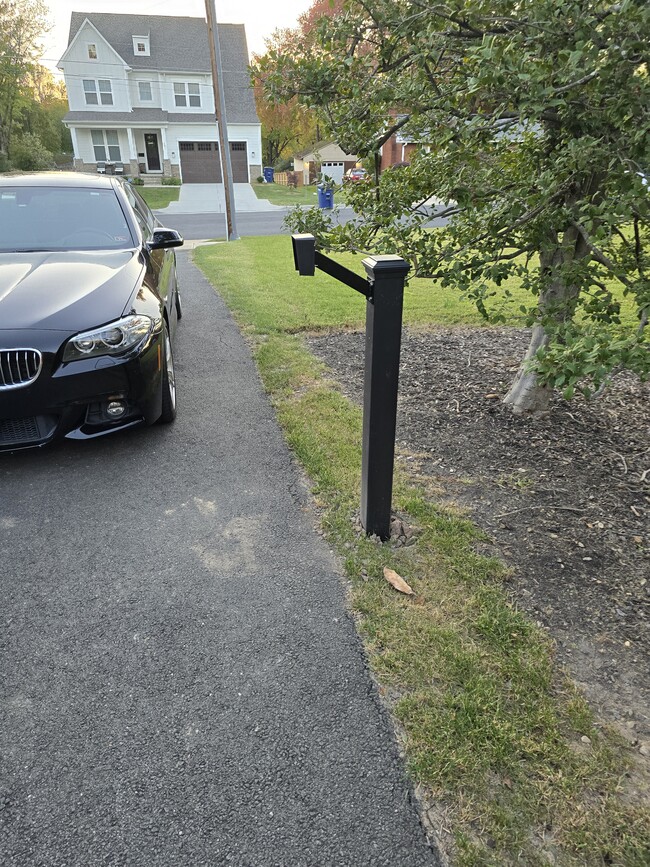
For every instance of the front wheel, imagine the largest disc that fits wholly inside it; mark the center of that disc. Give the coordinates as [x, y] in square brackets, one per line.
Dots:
[168, 413]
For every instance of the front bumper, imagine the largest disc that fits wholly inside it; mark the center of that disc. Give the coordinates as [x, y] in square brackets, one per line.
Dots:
[70, 400]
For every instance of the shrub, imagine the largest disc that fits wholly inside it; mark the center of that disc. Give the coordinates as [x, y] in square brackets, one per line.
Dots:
[260, 179]
[30, 155]
[5, 165]
[171, 182]
[138, 182]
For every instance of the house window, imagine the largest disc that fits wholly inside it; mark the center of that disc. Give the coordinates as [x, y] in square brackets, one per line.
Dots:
[144, 89]
[106, 145]
[141, 45]
[90, 91]
[187, 94]
[92, 51]
[98, 91]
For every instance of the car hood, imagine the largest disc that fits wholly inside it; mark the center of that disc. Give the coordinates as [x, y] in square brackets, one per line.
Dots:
[66, 291]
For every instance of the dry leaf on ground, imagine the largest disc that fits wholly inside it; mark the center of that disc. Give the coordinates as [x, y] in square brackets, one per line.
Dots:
[397, 581]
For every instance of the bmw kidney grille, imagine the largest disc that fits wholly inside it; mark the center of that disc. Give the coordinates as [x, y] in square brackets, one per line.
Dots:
[19, 367]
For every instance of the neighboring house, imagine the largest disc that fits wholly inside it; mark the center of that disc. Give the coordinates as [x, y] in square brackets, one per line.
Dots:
[396, 150]
[140, 94]
[325, 158]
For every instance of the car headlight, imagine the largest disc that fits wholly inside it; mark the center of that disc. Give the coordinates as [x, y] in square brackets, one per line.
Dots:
[117, 338]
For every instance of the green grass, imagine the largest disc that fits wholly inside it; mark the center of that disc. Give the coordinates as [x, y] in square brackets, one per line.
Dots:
[159, 197]
[492, 730]
[278, 194]
[263, 285]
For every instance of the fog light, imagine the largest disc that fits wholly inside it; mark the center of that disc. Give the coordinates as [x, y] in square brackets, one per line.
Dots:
[116, 408]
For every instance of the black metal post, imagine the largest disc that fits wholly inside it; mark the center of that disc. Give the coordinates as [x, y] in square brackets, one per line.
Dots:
[384, 293]
[386, 275]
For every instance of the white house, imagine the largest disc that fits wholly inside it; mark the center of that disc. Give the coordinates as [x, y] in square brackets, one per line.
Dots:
[140, 94]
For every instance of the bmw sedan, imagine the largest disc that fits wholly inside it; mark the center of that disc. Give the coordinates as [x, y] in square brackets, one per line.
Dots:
[88, 309]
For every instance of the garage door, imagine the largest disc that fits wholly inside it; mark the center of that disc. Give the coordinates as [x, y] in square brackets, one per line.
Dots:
[200, 162]
[333, 171]
[239, 162]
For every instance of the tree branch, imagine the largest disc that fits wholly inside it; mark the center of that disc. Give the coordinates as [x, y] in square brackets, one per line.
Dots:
[599, 256]
[584, 80]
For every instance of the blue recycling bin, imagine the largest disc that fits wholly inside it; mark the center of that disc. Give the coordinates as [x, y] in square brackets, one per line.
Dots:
[269, 174]
[325, 197]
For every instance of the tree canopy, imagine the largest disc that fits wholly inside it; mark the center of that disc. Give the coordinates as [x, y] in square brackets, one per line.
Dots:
[531, 119]
[22, 23]
[288, 124]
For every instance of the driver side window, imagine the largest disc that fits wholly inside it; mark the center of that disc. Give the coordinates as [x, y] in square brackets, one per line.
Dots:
[143, 215]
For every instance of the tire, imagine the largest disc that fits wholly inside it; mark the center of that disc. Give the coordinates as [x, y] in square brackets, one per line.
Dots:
[168, 383]
[179, 306]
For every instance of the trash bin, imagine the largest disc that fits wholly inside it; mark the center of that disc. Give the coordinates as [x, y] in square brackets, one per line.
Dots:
[269, 174]
[325, 197]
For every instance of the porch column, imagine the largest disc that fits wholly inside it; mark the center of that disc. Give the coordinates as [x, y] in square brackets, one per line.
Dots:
[163, 139]
[75, 144]
[133, 154]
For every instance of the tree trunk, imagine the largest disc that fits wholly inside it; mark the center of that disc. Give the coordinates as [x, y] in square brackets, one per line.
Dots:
[526, 396]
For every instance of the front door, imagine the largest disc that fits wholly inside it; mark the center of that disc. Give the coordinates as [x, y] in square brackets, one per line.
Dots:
[151, 148]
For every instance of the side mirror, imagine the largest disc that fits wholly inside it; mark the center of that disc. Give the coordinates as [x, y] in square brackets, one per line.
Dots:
[304, 254]
[162, 239]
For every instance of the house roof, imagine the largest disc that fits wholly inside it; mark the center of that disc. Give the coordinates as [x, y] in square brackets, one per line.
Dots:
[334, 152]
[179, 44]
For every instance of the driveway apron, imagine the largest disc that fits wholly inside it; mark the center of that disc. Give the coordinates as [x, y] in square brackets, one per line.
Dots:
[181, 683]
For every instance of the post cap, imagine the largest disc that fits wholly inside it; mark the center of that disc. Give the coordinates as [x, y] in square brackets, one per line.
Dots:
[385, 264]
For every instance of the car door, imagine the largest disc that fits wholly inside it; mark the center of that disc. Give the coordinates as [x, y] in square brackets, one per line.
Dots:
[161, 264]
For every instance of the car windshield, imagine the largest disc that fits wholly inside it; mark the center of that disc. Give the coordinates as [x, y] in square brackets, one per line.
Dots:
[61, 218]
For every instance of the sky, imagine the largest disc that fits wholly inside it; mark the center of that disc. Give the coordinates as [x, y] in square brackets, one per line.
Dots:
[261, 17]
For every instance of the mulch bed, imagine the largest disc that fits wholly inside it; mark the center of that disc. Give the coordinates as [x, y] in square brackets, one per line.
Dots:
[565, 500]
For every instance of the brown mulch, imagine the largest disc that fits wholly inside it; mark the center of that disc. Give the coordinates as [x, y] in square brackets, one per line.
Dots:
[565, 500]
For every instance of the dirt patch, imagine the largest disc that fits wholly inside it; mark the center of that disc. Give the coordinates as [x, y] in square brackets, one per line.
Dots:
[565, 500]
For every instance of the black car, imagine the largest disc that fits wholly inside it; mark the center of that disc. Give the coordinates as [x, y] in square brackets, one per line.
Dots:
[88, 308]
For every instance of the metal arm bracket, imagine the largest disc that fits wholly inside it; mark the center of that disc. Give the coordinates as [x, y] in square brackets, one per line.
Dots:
[306, 257]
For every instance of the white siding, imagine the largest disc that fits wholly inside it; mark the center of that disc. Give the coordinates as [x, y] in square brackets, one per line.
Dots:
[206, 93]
[153, 79]
[77, 66]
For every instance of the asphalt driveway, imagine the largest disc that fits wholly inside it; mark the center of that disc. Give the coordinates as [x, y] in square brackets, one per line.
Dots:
[181, 683]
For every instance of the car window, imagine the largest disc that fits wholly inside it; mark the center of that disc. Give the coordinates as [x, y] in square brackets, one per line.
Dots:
[145, 218]
[61, 218]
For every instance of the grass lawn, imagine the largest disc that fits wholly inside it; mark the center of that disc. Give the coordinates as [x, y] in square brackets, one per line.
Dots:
[493, 732]
[281, 300]
[278, 194]
[159, 197]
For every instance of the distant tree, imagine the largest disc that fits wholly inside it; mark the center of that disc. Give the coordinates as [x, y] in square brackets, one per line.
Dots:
[288, 126]
[29, 154]
[534, 123]
[42, 110]
[22, 23]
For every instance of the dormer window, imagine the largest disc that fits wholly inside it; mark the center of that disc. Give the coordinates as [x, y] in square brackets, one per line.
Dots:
[141, 46]
[92, 51]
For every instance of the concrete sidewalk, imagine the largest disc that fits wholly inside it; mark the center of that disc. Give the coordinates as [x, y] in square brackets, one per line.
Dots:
[182, 682]
[211, 199]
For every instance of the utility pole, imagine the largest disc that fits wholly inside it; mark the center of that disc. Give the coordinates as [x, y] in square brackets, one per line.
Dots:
[220, 106]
